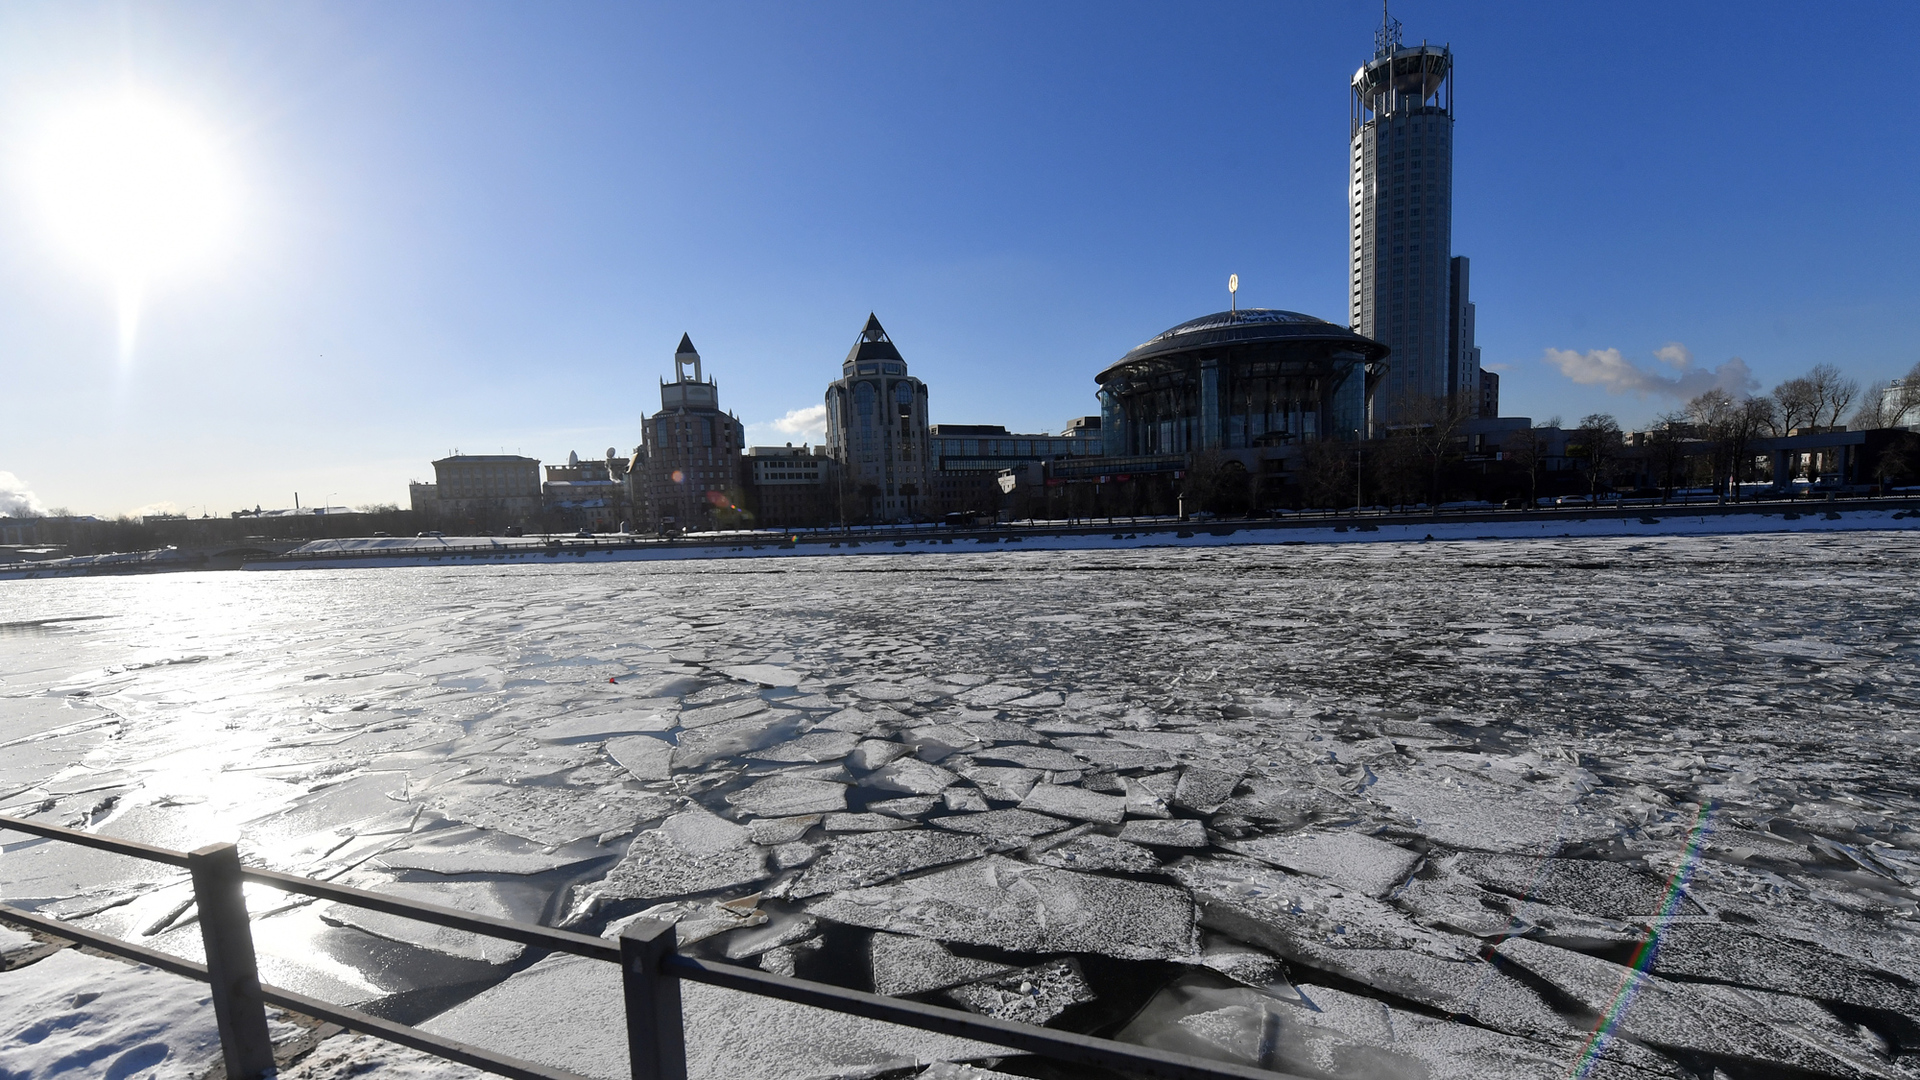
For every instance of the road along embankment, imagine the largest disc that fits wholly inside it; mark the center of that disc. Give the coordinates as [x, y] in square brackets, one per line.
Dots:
[1491, 525]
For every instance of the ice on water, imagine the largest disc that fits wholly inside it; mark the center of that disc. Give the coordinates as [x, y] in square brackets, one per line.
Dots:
[1461, 783]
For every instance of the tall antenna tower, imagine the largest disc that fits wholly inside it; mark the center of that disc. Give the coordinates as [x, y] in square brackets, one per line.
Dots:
[1387, 38]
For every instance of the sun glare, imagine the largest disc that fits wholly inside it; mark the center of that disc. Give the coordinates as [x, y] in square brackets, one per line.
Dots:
[133, 189]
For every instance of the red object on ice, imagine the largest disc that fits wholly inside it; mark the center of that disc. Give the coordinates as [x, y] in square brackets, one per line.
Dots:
[612, 680]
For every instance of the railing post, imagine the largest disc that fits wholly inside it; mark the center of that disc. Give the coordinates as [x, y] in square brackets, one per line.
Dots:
[238, 1007]
[656, 1041]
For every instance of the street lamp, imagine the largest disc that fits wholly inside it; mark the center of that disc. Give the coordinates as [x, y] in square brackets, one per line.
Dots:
[1359, 475]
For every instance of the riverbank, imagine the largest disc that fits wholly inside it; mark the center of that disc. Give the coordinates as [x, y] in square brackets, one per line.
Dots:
[1115, 534]
[1639, 521]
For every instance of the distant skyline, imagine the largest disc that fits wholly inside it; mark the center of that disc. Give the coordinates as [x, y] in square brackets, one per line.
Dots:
[484, 226]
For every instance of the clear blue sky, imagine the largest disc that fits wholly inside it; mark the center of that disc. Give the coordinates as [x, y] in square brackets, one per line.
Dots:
[484, 226]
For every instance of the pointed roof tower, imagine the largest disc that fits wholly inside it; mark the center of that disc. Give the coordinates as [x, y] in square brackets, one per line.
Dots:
[873, 343]
[683, 357]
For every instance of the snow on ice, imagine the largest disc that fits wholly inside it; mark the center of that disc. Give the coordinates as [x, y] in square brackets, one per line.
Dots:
[1370, 810]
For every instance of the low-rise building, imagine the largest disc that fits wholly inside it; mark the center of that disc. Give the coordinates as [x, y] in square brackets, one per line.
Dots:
[586, 493]
[487, 489]
[968, 459]
[793, 487]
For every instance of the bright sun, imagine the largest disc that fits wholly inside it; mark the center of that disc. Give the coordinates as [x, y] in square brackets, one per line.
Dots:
[134, 189]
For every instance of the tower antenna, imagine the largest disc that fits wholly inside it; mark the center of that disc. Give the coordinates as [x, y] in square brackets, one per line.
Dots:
[1387, 38]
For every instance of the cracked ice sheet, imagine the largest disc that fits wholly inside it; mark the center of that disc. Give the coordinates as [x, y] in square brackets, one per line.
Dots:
[568, 1012]
[1641, 695]
[1022, 908]
[1332, 1033]
[1681, 1016]
[1315, 924]
[690, 853]
[1355, 860]
[549, 815]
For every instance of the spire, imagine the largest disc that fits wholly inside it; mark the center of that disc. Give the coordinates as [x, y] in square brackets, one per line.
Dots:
[684, 356]
[1387, 38]
[873, 343]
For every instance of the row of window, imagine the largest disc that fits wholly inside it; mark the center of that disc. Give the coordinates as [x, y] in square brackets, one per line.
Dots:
[1014, 447]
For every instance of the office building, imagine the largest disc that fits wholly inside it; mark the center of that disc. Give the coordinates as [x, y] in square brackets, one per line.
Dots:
[968, 459]
[877, 429]
[690, 451]
[793, 487]
[486, 488]
[1403, 291]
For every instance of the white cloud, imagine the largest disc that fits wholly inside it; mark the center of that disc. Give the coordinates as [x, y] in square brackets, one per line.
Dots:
[1609, 369]
[808, 425]
[1674, 354]
[16, 500]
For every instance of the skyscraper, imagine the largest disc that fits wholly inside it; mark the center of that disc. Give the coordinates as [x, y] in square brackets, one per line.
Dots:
[877, 429]
[1403, 288]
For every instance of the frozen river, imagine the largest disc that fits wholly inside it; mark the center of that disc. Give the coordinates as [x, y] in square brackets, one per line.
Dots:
[1387, 810]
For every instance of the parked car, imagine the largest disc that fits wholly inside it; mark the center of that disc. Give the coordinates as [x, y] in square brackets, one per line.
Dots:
[381, 534]
[430, 532]
[1573, 500]
[513, 530]
[1515, 503]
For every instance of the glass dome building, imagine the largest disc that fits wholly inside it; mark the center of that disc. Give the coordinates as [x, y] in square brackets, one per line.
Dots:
[1253, 384]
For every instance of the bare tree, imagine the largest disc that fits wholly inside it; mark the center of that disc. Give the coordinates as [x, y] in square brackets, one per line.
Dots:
[1326, 472]
[1200, 486]
[1905, 406]
[1526, 448]
[1426, 430]
[1667, 451]
[1600, 444]
[1834, 391]
[1798, 402]
[1732, 424]
[1889, 404]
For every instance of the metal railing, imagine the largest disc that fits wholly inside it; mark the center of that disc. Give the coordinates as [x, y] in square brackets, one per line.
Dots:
[647, 952]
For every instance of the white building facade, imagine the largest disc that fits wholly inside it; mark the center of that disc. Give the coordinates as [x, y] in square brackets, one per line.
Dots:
[1406, 290]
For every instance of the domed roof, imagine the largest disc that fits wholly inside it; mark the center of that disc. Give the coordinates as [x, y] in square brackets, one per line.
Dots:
[1248, 326]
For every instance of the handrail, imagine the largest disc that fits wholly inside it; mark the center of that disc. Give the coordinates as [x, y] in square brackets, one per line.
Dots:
[646, 953]
[94, 840]
[540, 937]
[1060, 1045]
[349, 1018]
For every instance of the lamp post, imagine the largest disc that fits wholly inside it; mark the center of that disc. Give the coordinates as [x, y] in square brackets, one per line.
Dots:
[1359, 475]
